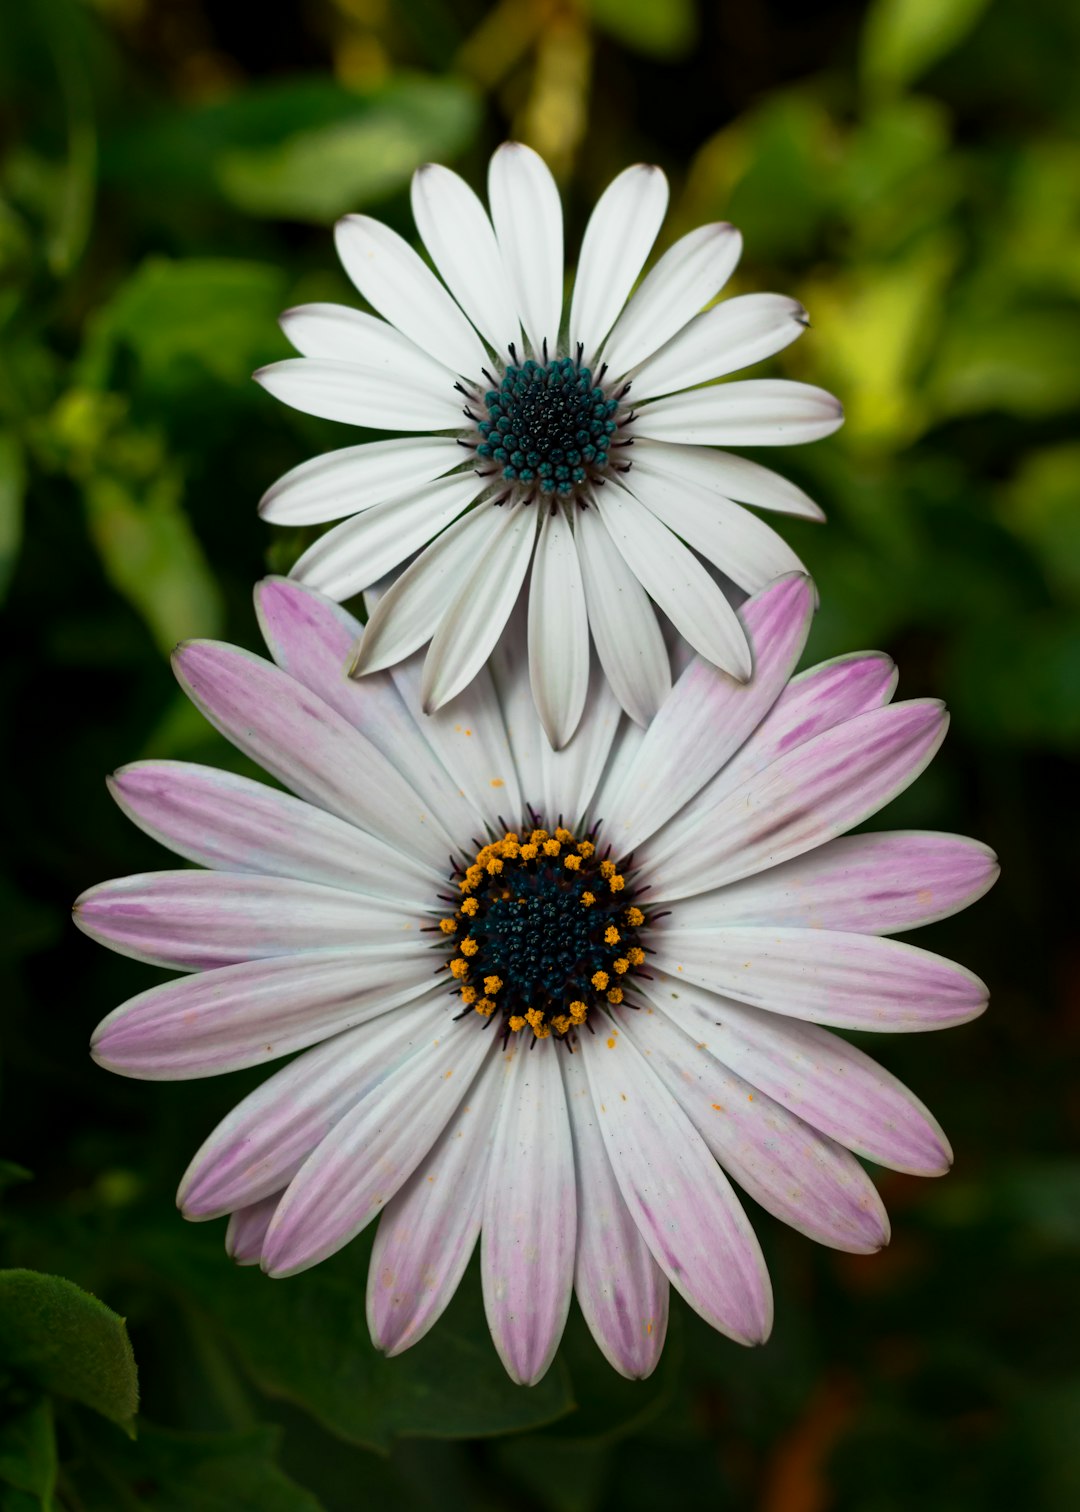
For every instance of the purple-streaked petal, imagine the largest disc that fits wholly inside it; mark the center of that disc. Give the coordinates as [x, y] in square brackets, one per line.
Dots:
[527, 215]
[429, 1230]
[800, 1176]
[810, 795]
[558, 631]
[859, 884]
[730, 336]
[708, 717]
[373, 1150]
[230, 823]
[618, 239]
[259, 1146]
[364, 396]
[746, 412]
[354, 478]
[307, 746]
[815, 1073]
[256, 1012]
[530, 1212]
[195, 920]
[247, 1230]
[621, 1290]
[850, 981]
[726, 475]
[677, 1195]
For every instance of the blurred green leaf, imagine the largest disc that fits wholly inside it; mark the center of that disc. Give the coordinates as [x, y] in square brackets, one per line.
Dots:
[62, 1340]
[1022, 361]
[28, 1453]
[665, 30]
[12, 489]
[903, 38]
[1042, 505]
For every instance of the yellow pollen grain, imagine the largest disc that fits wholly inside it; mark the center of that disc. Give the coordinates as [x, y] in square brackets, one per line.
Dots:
[537, 835]
[486, 1006]
[634, 917]
[542, 1031]
[492, 985]
[607, 868]
[611, 935]
[448, 926]
[511, 835]
[552, 847]
[616, 883]
[468, 995]
[599, 979]
[562, 1023]
[497, 782]
[469, 906]
[573, 862]
[529, 851]
[534, 1017]
[585, 847]
[588, 899]
[511, 849]
[469, 946]
[578, 1011]
[459, 967]
[563, 834]
[620, 963]
[615, 995]
[516, 1022]
[635, 955]
[494, 867]
[611, 1043]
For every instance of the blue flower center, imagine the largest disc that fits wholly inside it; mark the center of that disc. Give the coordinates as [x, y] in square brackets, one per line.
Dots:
[548, 424]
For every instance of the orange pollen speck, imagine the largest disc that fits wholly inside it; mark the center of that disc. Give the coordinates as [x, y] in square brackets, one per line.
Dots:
[588, 899]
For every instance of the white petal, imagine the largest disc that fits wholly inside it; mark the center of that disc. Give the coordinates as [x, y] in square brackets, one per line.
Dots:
[628, 639]
[458, 234]
[359, 396]
[360, 551]
[530, 1213]
[408, 612]
[341, 334]
[744, 547]
[510, 675]
[475, 618]
[618, 239]
[395, 281]
[527, 213]
[686, 278]
[428, 1232]
[675, 579]
[730, 336]
[624, 752]
[372, 1151]
[747, 412]
[570, 775]
[558, 630]
[725, 475]
[345, 482]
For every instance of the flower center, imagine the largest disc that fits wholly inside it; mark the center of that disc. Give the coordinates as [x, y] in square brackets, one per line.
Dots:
[549, 426]
[544, 932]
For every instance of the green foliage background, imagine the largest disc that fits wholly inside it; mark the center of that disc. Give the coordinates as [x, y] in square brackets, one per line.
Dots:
[169, 170]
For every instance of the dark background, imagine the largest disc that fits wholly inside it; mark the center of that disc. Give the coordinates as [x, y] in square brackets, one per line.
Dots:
[168, 176]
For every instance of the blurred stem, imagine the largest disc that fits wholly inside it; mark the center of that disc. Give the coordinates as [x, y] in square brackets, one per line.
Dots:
[501, 40]
[72, 228]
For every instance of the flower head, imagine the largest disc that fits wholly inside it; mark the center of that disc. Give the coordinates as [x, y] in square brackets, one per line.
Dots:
[582, 450]
[554, 1002]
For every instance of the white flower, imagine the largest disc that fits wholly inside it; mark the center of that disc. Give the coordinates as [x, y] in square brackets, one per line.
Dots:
[593, 436]
[565, 1040]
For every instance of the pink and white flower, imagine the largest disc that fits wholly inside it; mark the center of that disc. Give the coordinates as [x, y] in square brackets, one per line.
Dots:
[596, 434]
[568, 1041]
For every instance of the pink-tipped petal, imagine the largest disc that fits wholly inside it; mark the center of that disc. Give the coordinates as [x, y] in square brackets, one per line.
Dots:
[850, 981]
[370, 1154]
[256, 1012]
[800, 1176]
[247, 1230]
[530, 1215]
[677, 1195]
[621, 1290]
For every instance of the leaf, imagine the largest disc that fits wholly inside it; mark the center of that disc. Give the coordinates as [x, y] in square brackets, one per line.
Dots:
[212, 1472]
[62, 1340]
[12, 489]
[1041, 507]
[904, 38]
[28, 1451]
[306, 1340]
[1018, 360]
[13, 1175]
[663, 31]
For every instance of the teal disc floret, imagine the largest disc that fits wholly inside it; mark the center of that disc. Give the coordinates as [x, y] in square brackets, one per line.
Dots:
[548, 425]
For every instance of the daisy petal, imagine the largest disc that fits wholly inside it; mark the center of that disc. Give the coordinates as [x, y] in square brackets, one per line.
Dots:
[230, 823]
[676, 581]
[475, 618]
[708, 717]
[725, 475]
[859, 884]
[815, 792]
[345, 482]
[730, 336]
[677, 1195]
[569, 777]
[744, 547]
[429, 1230]
[306, 745]
[510, 676]
[628, 639]
[802, 1177]
[621, 1290]
[256, 1012]
[372, 1151]
[687, 277]
[529, 1225]
[340, 334]
[398, 283]
[815, 1073]
[194, 920]
[558, 631]
[360, 551]
[850, 981]
[747, 412]
[257, 1149]
[527, 213]
[456, 231]
[618, 239]
[359, 396]
[407, 614]
[247, 1230]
